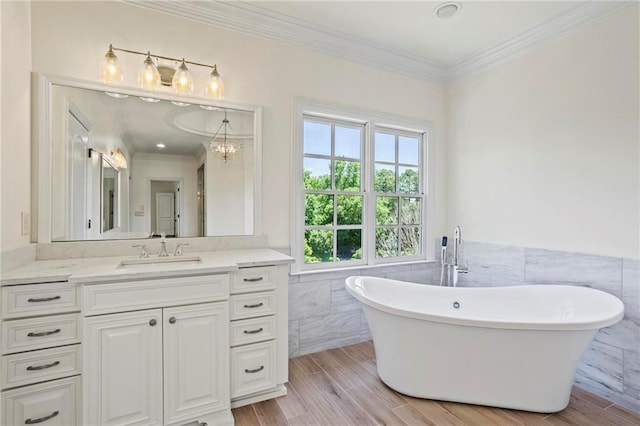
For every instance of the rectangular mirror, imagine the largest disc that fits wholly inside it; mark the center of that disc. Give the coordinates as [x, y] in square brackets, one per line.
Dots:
[127, 163]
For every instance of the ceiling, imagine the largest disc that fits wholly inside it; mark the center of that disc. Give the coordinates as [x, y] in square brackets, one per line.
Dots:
[400, 36]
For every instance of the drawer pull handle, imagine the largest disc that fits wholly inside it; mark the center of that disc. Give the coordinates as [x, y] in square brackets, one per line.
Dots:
[44, 333]
[41, 419]
[253, 331]
[42, 367]
[43, 299]
[172, 320]
[255, 305]
[253, 280]
[255, 370]
[152, 322]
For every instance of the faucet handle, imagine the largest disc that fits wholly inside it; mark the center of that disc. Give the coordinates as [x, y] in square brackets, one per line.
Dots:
[178, 250]
[143, 250]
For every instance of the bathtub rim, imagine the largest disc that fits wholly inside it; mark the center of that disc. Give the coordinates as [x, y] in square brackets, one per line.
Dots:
[356, 290]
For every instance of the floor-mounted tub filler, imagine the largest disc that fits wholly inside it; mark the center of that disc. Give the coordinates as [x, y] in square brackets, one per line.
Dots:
[512, 347]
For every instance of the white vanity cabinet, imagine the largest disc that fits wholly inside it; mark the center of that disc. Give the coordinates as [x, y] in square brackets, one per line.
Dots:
[259, 336]
[150, 343]
[162, 364]
[41, 354]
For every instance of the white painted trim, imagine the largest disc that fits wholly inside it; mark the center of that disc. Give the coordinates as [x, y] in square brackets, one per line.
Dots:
[372, 120]
[249, 18]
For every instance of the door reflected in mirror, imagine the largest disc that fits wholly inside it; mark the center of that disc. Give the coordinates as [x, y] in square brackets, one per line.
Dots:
[173, 180]
[110, 196]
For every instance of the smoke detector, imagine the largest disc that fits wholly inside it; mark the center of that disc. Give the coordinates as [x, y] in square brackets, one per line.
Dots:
[447, 10]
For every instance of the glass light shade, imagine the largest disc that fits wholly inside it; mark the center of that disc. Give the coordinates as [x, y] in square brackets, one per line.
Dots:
[225, 145]
[110, 71]
[148, 76]
[226, 148]
[215, 85]
[182, 81]
[118, 159]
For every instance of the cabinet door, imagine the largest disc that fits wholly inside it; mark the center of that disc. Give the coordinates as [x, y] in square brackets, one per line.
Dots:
[196, 360]
[123, 369]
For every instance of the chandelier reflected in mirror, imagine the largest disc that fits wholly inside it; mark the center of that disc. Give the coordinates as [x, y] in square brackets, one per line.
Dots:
[225, 143]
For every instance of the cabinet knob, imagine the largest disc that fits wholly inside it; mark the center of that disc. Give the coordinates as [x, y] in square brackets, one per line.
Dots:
[172, 320]
[153, 322]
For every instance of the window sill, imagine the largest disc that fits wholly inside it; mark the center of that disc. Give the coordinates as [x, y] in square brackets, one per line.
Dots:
[361, 267]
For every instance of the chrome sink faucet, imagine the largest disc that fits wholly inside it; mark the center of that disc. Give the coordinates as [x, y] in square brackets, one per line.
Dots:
[163, 246]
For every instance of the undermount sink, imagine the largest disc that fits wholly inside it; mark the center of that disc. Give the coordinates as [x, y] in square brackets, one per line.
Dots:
[181, 260]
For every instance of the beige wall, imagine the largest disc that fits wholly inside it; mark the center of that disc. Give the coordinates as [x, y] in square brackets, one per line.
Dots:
[15, 116]
[70, 39]
[544, 149]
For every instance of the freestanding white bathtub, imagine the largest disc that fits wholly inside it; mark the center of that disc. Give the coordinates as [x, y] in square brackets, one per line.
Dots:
[513, 347]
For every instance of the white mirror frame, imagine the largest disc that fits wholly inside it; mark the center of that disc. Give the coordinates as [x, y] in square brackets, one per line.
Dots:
[41, 161]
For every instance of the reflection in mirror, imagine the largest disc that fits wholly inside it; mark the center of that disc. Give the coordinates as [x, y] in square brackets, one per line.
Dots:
[173, 181]
[110, 200]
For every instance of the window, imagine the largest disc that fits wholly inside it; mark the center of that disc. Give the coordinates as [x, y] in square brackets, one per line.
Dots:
[397, 186]
[359, 189]
[333, 190]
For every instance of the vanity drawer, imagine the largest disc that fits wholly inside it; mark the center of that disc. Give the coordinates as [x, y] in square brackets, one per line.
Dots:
[252, 305]
[246, 280]
[40, 333]
[52, 404]
[38, 366]
[253, 368]
[134, 295]
[39, 299]
[252, 330]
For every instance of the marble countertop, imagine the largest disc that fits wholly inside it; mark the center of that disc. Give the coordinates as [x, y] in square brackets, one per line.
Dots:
[100, 269]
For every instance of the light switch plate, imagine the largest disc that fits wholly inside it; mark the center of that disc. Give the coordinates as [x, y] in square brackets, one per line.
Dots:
[25, 223]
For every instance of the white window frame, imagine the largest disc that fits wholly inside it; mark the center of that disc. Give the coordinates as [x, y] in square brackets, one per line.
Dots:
[372, 121]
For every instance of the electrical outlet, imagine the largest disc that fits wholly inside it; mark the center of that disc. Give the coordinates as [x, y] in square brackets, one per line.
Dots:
[25, 223]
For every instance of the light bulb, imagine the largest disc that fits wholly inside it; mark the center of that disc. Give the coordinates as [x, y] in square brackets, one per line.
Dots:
[215, 85]
[182, 81]
[148, 77]
[110, 71]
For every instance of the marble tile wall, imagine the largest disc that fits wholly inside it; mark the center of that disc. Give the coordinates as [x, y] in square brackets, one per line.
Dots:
[323, 315]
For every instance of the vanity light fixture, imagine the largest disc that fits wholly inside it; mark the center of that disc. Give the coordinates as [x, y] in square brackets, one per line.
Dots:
[160, 145]
[225, 145]
[118, 159]
[151, 76]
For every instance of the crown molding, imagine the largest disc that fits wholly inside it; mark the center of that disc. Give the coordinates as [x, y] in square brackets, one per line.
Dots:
[560, 26]
[260, 22]
[254, 20]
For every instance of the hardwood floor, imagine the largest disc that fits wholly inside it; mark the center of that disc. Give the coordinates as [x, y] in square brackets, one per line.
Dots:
[341, 387]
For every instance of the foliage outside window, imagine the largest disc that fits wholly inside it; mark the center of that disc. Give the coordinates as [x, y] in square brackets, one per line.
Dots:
[362, 192]
[333, 196]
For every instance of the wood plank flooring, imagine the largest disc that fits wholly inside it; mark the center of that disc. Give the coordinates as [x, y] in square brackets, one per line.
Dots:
[341, 387]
